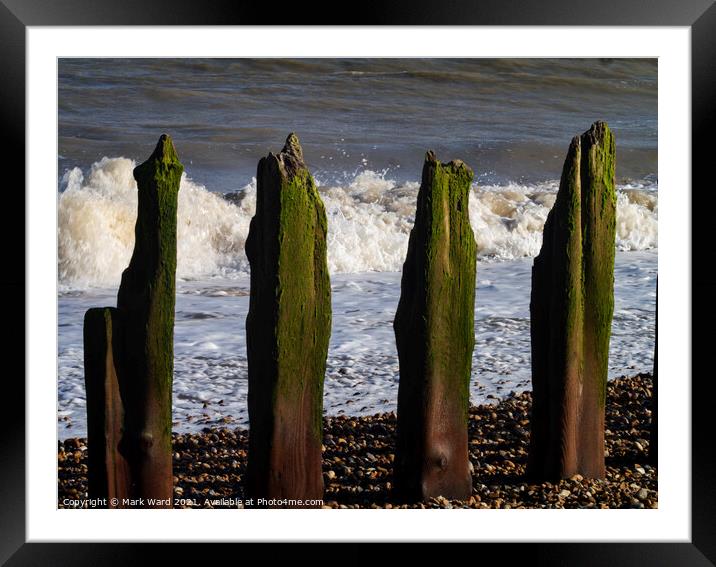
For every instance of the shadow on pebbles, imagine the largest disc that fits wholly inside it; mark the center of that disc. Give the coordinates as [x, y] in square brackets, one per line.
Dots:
[358, 461]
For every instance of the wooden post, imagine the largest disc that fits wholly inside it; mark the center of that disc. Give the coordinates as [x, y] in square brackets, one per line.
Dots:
[654, 433]
[571, 314]
[107, 472]
[434, 331]
[146, 304]
[287, 329]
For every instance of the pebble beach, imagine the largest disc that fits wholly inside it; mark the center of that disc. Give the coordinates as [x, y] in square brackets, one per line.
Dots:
[358, 455]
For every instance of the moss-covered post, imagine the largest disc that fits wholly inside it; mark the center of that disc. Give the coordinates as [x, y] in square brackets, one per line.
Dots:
[287, 329]
[571, 314]
[654, 432]
[434, 331]
[107, 473]
[146, 304]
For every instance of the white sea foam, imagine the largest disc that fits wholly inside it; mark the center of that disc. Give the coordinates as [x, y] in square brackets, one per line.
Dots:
[637, 227]
[96, 227]
[362, 372]
[369, 222]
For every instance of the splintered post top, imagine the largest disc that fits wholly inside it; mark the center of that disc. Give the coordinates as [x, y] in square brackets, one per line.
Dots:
[293, 147]
[164, 154]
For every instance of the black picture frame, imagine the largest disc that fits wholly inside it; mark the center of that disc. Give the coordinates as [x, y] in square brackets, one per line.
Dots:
[699, 15]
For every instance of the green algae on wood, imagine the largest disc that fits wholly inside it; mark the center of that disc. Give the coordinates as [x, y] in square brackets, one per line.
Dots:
[434, 330]
[571, 311]
[287, 329]
[146, 301]
[107, 471]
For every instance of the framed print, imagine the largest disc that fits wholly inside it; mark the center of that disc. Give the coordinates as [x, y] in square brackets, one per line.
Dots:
[352, 372]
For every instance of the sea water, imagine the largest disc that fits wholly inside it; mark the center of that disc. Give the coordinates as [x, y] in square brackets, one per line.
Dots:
[364, 126]
[369, 221]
